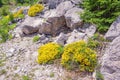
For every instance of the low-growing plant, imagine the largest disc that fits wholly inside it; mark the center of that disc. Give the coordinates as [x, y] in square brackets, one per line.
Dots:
[79, 55]
[52, 74]
[18, 13]
[101, 12]
[36, 38]
[49, 52]
[3, 71]
[93, 44]
[5, 28]
[33, 10]
[4, 10]
[25, 78]
[99, 76]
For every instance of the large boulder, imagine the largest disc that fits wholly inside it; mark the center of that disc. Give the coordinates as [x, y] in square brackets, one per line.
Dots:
[111, 61]
[73, 19]
[52, 4]
[114, 30]
[63, 7]
[56, 20]
[29, 25]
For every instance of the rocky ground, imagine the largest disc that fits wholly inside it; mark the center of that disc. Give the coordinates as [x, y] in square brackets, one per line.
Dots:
[59, 22]
[18, 59]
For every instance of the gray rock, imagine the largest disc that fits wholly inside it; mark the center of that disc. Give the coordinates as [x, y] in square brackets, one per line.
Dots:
[88, 29]
[61, 39]
[28, 26]
[45, 28]
[73, 18]
[55, 20]
[52, 4]
[42, 37]
[114, 30]
[63, 7]
[111, 61]
[82, 33]
[10, 52]
[77, 1]
[75, 36]
[29, 29]
[46, 40]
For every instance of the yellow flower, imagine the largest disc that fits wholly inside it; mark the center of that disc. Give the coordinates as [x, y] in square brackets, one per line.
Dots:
[48, 52]
[33, 10]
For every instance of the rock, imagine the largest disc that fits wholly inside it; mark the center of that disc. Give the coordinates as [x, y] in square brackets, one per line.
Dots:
[46, 40]
[29, 29]
[45, 28]
[82, 33]
[28, 26]
[52, 4]
[75, 36]
[63, 7]
[77, 1]
[10, 52]
[73, 18]
[61, 39]
[25, 10]
[111, 61]
[42, 37]
[55, 21]
[88, 29]
[114, 30]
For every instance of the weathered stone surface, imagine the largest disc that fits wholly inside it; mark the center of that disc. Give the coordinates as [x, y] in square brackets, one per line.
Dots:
[73, 18]
[83, 33]
[77, 1]
[28, 26]
[88, 29]
[61, 39]
[45, 28]
[114, 30]
[29, 29]
[56, 20]
[76, 36]
[63, 7]
[111, 61]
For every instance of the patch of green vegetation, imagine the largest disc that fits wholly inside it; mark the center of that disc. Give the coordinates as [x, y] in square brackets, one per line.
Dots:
[52, 74]
[36, 38]
[3, 71]
[25, 78]
[101, 12]
[99, 76]
[2, 63]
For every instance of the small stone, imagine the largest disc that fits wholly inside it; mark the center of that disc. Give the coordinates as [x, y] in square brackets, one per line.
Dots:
[61, 39]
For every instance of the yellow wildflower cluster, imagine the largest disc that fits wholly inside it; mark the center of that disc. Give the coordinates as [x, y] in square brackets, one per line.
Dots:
[49, 52]
[80, 55]
[33, 10]
[16, 14]
[19, 12]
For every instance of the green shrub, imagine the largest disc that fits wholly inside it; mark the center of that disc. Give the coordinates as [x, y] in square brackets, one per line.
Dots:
[93, 44]
[99, 76]
[25, 78]
[78, 55]
[4, 10]
[101, 12]
[48, 52]
[5, 28]
[35, 9]
[36, 38]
